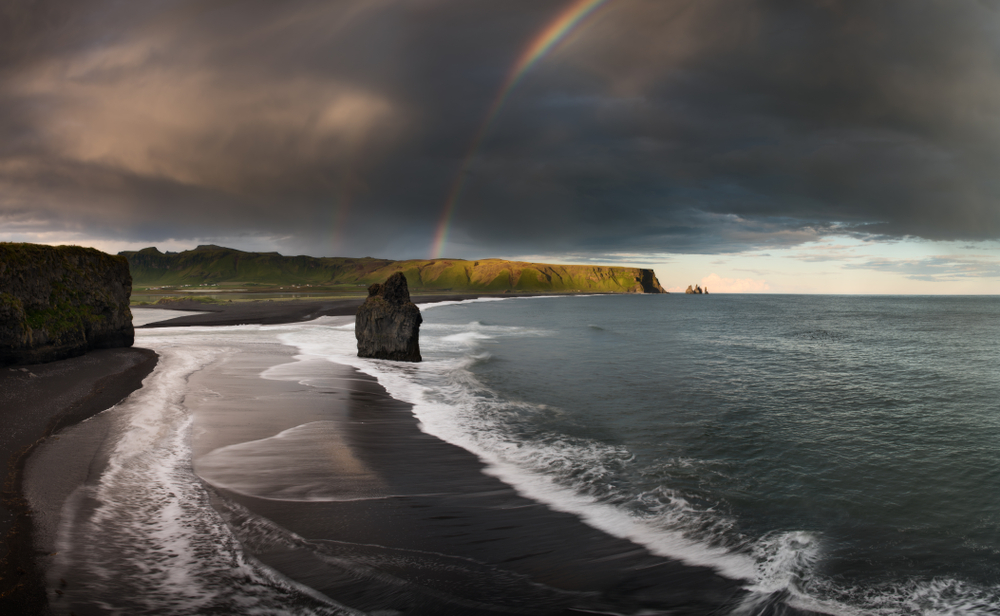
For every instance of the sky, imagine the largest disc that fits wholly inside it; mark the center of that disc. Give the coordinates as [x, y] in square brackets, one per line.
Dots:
[782, 146]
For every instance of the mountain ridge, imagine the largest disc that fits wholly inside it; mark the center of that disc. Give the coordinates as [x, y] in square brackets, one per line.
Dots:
[210, 264]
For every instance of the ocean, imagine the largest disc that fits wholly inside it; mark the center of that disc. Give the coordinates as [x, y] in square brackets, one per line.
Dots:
[837, 454]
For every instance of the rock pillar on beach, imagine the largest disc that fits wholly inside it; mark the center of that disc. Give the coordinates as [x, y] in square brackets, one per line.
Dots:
[387, 325]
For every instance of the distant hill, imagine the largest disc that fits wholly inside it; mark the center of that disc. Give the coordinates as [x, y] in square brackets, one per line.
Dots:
[215, 264]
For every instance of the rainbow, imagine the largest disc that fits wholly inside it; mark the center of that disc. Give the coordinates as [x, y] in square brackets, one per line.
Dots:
[542, 44]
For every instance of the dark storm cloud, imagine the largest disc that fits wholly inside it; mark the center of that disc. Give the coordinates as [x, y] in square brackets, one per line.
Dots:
[660, 126]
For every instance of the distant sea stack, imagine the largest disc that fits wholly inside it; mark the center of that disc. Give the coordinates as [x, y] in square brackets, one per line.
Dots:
[387, 325]
[696, 290]
[58, 302]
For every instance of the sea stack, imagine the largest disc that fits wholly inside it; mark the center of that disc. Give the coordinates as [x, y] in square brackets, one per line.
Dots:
[61, 301]
[387, 325]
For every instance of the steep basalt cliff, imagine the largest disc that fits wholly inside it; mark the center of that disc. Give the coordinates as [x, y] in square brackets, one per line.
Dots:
[58, 302]
[387, 325]
[646, 282]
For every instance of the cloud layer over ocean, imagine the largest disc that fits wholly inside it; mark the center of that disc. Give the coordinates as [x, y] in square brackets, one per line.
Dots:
[667, 126]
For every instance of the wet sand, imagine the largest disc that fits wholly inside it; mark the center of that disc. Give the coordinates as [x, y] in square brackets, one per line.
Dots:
[423, 530]
[36, 402]
[416, 526]
[403, 522]
[272, 312]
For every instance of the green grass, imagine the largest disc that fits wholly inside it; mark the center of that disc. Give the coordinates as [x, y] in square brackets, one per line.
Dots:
[213, 265]
[75, 303]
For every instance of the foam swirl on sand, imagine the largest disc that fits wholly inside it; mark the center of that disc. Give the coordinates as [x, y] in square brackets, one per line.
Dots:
[145, 539]
[307, 463]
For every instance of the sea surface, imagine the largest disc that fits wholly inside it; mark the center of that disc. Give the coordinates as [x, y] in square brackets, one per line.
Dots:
[843, 451]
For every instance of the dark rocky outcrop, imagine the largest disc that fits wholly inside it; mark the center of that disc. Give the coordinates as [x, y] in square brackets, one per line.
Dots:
[646, 282]
[387, 325]
[695, 290]
[58, 302]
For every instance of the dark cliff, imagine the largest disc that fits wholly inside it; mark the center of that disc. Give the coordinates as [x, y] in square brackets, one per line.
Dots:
[646, 282]
[387, 325]
[58, 302]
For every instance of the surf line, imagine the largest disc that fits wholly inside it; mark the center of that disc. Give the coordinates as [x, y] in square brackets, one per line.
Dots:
[542, 44]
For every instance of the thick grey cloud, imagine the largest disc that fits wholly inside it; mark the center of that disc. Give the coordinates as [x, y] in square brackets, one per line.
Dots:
[701, 126]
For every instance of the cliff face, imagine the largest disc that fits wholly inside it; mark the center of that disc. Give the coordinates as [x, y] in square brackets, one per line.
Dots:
[387, 325]
[58, 302]
[647, 282]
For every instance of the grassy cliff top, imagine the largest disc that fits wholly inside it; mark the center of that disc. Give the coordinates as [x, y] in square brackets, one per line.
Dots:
[216, 265]
[23, 254]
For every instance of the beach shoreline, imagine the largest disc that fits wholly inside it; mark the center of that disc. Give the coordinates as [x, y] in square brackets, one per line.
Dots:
[441, 536]
[431, 516]
[36, 402]
[276, 312]
[91, 384]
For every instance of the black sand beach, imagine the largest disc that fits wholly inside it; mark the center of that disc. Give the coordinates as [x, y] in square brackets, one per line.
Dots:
[425, 531]
[421, 529]
[273, 312]
[35, 402]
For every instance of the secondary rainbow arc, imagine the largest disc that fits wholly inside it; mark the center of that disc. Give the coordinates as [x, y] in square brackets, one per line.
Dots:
[542, 44]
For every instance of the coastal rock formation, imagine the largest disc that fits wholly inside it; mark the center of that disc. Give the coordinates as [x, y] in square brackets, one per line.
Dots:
[387, 325]
[696, 290]
[646, 282]
[58, 302]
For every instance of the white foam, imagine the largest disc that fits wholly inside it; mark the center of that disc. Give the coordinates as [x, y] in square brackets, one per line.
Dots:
[508, 461]
[617, 522]
[449, 404]
[784, 559]
[478, 300]
[452, 405]
[937, 597]
[153, 543]
[428, 306]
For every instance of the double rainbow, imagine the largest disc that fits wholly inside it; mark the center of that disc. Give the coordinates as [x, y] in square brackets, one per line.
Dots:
[546, 40]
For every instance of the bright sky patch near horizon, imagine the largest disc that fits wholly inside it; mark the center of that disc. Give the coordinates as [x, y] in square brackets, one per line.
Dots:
[821, 146]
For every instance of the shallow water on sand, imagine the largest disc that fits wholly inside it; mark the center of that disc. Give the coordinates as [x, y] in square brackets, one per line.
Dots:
[213, 490]
[141, 535]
